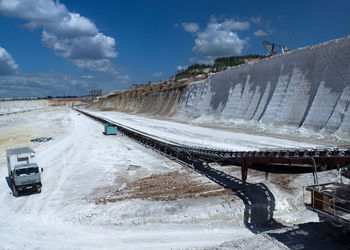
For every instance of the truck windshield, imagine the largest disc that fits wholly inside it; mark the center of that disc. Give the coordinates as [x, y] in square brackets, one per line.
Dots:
[27, 171]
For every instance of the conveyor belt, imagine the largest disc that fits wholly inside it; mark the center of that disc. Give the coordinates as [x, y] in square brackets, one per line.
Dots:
[283, 160]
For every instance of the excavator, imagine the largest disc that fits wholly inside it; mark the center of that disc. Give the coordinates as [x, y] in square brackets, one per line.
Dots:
[272, 48]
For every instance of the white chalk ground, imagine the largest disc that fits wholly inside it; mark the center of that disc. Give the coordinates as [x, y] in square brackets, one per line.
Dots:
[17, 110]
[200, 136]
[11, 107]
[81, 159]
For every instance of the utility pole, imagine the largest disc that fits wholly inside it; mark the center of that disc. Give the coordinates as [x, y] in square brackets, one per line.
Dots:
[293, 40]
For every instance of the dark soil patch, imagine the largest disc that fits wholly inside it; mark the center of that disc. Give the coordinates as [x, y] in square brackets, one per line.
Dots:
[162, 187]
[284, 182]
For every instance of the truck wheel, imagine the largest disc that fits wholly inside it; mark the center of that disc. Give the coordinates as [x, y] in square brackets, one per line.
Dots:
[14, 191]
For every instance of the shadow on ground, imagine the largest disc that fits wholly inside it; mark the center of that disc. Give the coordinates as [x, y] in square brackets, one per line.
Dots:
[8, 181]
[23, 192]
[258, 216]
[312, 235]
[258, 200]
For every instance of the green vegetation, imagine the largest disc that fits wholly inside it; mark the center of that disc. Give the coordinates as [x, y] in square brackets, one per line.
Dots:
[219, 64]
[193, 70]
[224, 62]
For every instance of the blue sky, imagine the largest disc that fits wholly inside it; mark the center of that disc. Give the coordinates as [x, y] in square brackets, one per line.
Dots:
[70, 47]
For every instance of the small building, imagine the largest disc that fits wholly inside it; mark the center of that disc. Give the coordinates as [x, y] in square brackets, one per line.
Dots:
[110, 129]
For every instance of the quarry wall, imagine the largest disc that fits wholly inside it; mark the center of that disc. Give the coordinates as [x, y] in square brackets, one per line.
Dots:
[160, 99]
[308, 89]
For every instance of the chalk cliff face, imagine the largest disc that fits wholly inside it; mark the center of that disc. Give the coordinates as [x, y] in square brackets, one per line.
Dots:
[308, 88]
[160, 100]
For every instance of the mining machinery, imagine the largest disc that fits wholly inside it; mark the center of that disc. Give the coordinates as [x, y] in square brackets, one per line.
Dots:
[272, 48]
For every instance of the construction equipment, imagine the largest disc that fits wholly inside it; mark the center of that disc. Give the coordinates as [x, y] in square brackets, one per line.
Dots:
[95, 93]
[272, 48]
[23, 170]
[331, 201]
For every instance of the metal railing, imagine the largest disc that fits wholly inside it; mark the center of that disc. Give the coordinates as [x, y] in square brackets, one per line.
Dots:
[328, 202]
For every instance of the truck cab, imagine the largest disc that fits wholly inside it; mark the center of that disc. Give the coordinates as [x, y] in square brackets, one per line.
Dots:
[23, 170]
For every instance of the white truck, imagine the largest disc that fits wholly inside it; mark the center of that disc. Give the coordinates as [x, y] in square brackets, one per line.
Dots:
[23, 170]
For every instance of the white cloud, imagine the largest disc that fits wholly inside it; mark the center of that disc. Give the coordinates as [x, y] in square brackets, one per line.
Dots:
[70, 35]
[157, 74]
[44, 84]
[94, 65]
[88, 76]
[53, 42]
[49, 15]
[7, 64]
[94, 47]
[231, 24]
[256, 20]
[268, 23]
[192, 59]
[74, 25]
[190, 27]
[220, 39]
[260, 33]
[37, 11]
[32, 84]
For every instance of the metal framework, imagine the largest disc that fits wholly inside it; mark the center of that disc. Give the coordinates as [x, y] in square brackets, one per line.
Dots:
[331, 201]
[272, 47]
[285, 160]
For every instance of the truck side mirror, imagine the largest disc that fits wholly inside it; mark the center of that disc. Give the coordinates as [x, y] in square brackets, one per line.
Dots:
[42, 170]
